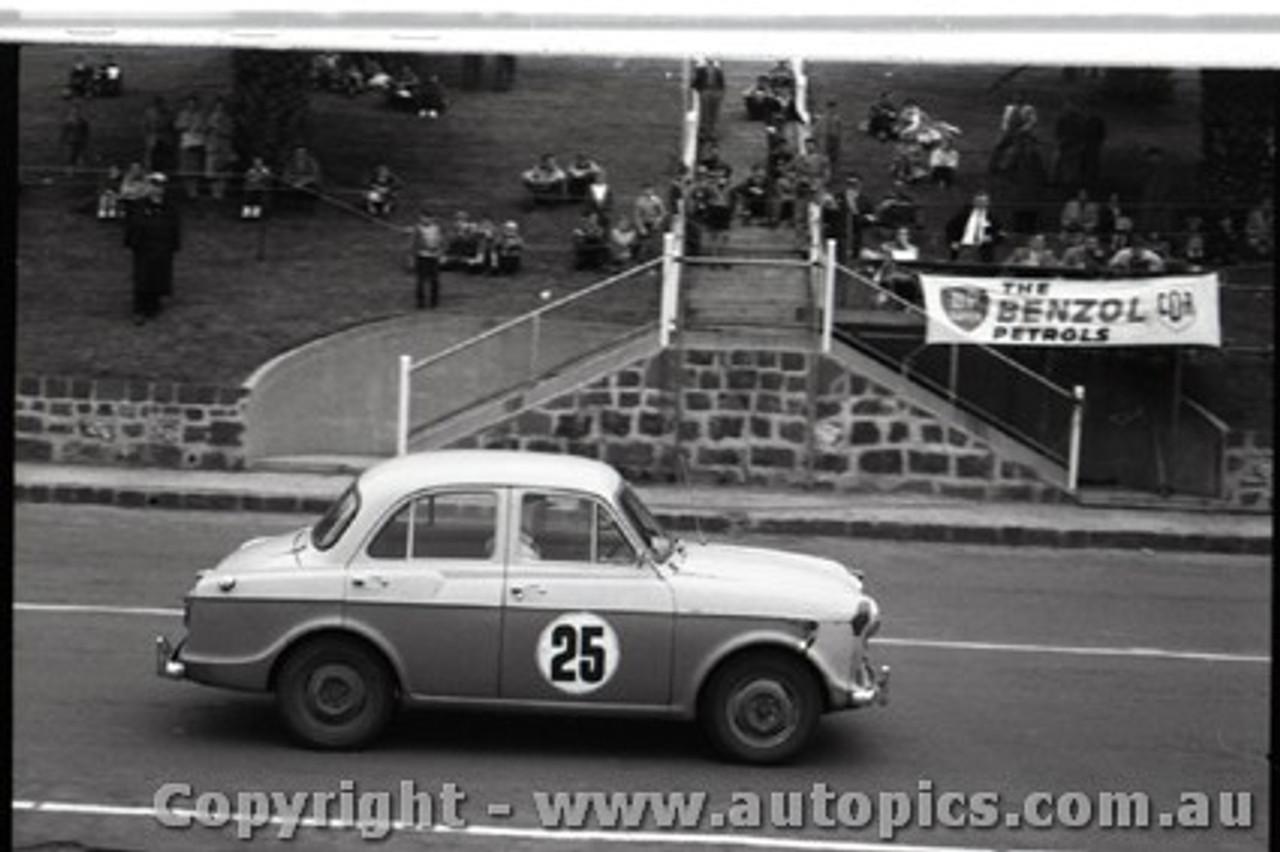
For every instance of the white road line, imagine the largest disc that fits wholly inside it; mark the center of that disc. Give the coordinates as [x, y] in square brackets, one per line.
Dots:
[540, 835]
[1080, 651]
[948, 645]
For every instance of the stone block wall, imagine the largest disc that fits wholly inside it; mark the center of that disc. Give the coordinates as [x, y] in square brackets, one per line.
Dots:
[1248, 470]
[132, 423]
[764, 418]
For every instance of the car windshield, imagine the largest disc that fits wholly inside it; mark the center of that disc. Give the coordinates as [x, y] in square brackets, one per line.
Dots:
[655, 537]
[333, 523]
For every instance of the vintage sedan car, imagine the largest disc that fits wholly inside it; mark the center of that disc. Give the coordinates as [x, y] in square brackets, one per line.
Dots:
[529, 580]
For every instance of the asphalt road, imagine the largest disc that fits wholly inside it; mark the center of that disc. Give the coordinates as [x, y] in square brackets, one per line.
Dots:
[1016, 671]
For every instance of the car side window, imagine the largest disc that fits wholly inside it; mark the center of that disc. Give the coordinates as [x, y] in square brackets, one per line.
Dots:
[454, 525]
[570, 528]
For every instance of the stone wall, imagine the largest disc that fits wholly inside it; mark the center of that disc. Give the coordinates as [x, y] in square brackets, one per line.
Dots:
[135, 423]
[764, 418]
[1248, 469]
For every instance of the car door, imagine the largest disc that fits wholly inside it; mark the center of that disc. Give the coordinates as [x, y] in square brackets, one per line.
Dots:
[585, 619]
[429, 583]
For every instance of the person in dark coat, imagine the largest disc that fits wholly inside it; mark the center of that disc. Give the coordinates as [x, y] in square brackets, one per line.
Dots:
[973, 230]
[154, 233]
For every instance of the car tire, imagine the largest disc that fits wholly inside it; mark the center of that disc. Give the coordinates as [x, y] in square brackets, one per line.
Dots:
[760, 708]
[335, 694]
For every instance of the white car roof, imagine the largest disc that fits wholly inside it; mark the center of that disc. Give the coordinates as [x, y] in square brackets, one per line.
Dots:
[403, 474]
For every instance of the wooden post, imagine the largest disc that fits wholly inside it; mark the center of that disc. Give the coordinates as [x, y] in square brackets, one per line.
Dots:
[1073, 452]
[402, 406]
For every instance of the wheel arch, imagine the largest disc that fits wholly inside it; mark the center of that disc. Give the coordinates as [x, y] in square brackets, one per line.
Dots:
[337, 633]
[783, 648]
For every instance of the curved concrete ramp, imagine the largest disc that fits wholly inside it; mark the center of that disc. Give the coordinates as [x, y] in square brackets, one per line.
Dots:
[336, 396]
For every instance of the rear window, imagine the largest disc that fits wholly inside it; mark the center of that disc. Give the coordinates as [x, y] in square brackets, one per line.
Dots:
[336, 519]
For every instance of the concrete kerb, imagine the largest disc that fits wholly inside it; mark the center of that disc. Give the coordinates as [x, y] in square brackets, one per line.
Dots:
[741, 512]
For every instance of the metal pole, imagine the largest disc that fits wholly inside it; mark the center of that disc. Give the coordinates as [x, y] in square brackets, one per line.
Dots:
[533, 356]
[670, 290]
[1175, 418]
[402, 407]
[829, 297]
[953, 378]
[1077, 427]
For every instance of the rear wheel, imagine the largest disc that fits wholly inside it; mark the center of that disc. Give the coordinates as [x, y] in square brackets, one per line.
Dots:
[335, 694]
[760, 708]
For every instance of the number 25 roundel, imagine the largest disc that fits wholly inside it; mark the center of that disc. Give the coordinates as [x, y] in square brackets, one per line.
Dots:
[578, 652]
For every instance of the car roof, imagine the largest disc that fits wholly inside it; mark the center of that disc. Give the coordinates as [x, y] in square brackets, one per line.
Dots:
[415, 471]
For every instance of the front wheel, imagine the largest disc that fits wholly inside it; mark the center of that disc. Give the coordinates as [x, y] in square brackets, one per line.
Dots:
[760, 708]
[335, 694]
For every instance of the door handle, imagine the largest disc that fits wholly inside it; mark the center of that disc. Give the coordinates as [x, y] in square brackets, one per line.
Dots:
[361, 581]
[519, 592]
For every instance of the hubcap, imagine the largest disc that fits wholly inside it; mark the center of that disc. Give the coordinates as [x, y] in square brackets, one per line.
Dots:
[335, 692]
[763, 713]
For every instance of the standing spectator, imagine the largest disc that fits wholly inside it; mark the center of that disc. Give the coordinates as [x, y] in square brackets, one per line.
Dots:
[79, 79]
[1193, 249]
[1224, 241]
[600, 199]
[590, 242]
[427, 249]
[717, 213]
[624, 241]
[708, 83]
[154, 234]
[74, 137]
[856, 214]
[504, 72]
[812, 172]
[380, 194]
[1017, 124]
[1071, 135]
[830, 130]
[882, 118]
[301, 177]
[650, 215]
[974, 231]
[109, 206]
[191, 126]
[1094, 136]
[257, 185]
[759, 101]
[158, 136]
[219, 150]
[1155, 203]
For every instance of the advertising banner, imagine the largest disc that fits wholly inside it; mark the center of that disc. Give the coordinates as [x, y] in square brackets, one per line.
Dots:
[1176, 310]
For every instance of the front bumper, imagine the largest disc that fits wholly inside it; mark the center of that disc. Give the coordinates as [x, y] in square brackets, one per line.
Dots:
[870, 686]
[168, 662]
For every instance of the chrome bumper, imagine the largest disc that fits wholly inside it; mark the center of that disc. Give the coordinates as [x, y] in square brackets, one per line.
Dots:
[871, 686]
[167, 663]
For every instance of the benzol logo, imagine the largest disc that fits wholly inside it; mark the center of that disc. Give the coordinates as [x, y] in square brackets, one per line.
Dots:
[1176, 309]
[966, 307]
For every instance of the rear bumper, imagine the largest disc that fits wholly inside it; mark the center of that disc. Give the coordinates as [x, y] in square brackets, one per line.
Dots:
[168, 659]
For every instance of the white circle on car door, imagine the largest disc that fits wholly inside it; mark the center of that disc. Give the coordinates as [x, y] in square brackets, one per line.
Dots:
[578, 652]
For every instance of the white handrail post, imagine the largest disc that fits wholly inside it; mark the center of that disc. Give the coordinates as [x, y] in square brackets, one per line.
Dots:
[402, 406]
[829, 297]
[1077, 427]
[670, 290]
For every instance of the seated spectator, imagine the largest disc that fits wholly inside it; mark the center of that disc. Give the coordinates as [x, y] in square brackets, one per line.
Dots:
[1115, 226]
[109, 194]
[624, 242]
[710, 159]
[546, 180]
[1089, 254]
[108, 79]
[896, 210]
[590, 243]
[782, 199]
[1192, 249]
[376, 77]
[889, 275]
[134, 188]
[403, 90]
[1225, 241]
[1259, 230]
[882, 119]
[256, 188]
[433, 101]
[300, 178]
[1079, 213]
[464, 246]
[581, 174]
[650, 216]
[716, 213]
[507, 250]
[380, 195]
[760, 101]
[781, 77]
[944, 162]
[1036, 252]
[1136, 260]
[752, 195]
[79, 79]
[901, 247]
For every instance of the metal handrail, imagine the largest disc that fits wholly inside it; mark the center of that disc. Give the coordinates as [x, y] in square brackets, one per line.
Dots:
[531, 315]
[916, 310]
